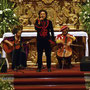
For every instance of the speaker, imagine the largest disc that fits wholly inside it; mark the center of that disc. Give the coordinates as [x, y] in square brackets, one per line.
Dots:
[85, 64]
[3, 65]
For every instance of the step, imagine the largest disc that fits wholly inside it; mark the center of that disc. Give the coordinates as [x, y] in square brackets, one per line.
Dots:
[52, 87]
[49, 74]
[48, 81]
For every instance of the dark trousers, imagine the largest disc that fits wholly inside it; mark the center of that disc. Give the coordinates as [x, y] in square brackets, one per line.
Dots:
[43, 45]
[18, 58]
[67, 59]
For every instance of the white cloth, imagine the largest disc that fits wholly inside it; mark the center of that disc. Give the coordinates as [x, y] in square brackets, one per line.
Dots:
[34, 34]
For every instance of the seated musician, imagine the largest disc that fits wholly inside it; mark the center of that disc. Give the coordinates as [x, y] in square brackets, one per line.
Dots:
[64, 51]
[17, 50]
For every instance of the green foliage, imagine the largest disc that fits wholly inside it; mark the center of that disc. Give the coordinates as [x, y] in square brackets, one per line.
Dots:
[85, 16]
[5, 85]
[7, 17]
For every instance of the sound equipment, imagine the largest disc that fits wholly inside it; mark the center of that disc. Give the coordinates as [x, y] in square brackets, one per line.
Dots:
[3, 65]
[85, 64]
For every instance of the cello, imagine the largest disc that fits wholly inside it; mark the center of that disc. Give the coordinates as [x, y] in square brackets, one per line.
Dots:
[65, 50]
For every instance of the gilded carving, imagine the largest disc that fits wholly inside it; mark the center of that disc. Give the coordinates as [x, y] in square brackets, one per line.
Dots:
[24, 20]
[73, 18]
[47, 1]
[59, 11]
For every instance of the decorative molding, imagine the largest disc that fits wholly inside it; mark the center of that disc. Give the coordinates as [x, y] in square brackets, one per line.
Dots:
[60, 12]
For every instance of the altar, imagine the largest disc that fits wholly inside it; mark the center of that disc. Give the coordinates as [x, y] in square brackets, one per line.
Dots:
[34, 34]
[33, 51]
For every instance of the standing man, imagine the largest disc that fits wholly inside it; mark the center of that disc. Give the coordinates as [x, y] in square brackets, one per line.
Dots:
[44, 27]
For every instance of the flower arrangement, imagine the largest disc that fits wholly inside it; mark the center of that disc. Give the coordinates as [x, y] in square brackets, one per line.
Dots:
[85, 16]
[7, 17]
[5, 85]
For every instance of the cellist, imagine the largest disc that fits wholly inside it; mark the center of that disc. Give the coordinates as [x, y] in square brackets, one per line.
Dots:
[64, 42]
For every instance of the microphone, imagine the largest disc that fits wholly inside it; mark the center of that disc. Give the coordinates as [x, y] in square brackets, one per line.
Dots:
[39, 19]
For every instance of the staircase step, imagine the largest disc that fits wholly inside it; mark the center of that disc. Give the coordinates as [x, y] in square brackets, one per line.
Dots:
[50, 74]
[48, 81]
[58, 79]
[52, 87]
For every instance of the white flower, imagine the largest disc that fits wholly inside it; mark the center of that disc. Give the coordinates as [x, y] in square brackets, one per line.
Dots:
[7, 9]
[83, 21]
[14, 15]
[84, 17]
[5, 18]
[88, 17]
[1, 11]
[8, 88]
[79, 17]
[9, 20]
[85, 12]
[80, 12]
[88, 5]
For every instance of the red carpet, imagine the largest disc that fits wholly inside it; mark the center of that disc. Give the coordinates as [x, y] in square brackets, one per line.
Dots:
[47, 81]
[58, 79]
[61, 87]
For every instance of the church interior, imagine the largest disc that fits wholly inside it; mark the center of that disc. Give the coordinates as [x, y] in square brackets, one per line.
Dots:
[73, 13]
